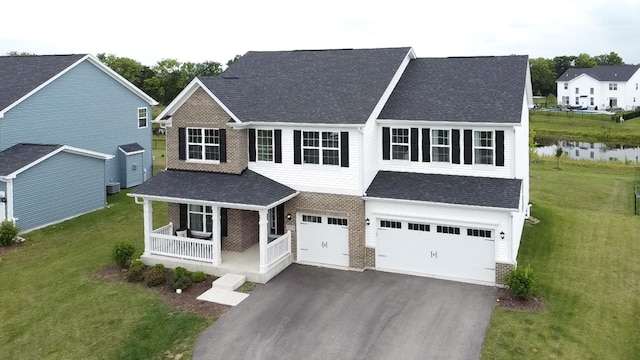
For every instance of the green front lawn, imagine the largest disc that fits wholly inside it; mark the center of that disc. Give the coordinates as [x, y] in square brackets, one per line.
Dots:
[586, 253]
[53, 307]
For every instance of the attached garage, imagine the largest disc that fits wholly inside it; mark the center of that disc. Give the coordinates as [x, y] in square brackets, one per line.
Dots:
[323, 239]
[437, 250]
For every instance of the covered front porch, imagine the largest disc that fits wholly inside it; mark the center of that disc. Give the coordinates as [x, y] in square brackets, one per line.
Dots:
[217, 232]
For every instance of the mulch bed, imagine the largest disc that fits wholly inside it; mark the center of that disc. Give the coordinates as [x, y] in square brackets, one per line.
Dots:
[507, 301]
[186, 301]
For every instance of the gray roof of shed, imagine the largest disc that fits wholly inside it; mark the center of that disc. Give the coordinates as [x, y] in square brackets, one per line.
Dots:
[309, 86]
[465, 89]
[602, 73]
[21, 155]
[19, 75]
[133, 147]
[247, 188]
[446, 189]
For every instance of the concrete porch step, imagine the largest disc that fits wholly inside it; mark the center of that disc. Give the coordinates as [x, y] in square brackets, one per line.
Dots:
[229, 282]
[222, 296]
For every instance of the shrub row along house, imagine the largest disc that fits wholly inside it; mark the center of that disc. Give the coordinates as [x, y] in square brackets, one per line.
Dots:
[366, 158]
[69, 126]
[603, 87]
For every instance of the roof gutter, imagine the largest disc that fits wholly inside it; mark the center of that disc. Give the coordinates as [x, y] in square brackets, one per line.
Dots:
[404, 201]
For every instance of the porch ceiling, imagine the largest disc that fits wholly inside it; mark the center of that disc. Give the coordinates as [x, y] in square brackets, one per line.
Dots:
[248, 189]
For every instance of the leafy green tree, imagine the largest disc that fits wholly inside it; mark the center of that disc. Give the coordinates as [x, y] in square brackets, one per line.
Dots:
[562, 63]
[585, 61]
[611, 58]
[19, 53]
[235, 58]
[129, 69]
[543, 79]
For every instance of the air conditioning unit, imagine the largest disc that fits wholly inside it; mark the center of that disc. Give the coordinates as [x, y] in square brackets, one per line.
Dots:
[113, 188]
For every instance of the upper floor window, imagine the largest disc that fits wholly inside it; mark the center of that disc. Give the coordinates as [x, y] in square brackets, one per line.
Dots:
[321, 145]
[483, 147]
[613, 86]
[400, 144]
[591, 91]
[203, 144]
[440, 145]
[591, 101]
[200, 218]
[566, 86]
[577, 90]
[265, 145]
[142, 117]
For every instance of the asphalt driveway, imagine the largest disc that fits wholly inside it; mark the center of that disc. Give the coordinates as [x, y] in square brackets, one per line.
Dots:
[309, 312]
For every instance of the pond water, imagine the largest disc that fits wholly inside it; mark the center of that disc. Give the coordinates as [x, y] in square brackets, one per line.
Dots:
[592, 151]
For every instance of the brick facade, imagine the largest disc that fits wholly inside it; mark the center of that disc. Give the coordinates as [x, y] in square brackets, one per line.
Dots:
[243, 230]
[349, 207]
[200, 110]
[370, 258]
[501, 271]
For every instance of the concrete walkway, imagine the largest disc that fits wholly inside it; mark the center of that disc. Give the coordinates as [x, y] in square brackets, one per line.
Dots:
[317, 313]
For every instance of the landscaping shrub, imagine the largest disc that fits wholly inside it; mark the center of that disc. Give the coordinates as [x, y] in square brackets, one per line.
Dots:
[123, 252]
[8, 232]
[180, 271]
[156, 275]
[198, 276]
[521, 282]
[181, 282]
[136, 271]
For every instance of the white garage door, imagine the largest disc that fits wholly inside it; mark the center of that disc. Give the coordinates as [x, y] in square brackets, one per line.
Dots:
[323, 239]
[436, 250]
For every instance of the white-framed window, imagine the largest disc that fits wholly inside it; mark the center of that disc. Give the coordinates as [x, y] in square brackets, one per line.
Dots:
[440, 145]
[399, 144]
[577, 90]
[273, 221]
[264, 146]
[592, 91]
[200, 218]
[203, 144]
[321, 147]
[577, 100]
[566, 86]
[143, 117]
[483, 147]
[591, 101]
[613, 86]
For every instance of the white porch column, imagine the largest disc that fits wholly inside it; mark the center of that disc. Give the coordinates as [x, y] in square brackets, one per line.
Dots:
[216, 238]
[264, 238]
[9, 203]
[147, 211]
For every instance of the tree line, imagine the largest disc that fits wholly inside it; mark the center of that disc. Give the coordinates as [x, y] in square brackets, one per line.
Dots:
[545, 72]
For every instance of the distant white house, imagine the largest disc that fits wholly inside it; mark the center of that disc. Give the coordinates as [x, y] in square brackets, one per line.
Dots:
[603, 87]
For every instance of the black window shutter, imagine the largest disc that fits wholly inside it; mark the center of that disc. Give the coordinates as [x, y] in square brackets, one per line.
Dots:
[277, 142]
[223, 222]
[468, 147]
[223, 145]
[182, 144]
[386, 143]
[344, 149]
[500, 148]
[426, 145]
[280, 224]
[252, 144]
[184, 222]
[414, 144]
[455, 146]
[297, 147]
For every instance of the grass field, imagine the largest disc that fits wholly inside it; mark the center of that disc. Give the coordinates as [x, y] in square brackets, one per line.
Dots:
[52, 306]
[593, 128]
[159, 150]
[586, 252]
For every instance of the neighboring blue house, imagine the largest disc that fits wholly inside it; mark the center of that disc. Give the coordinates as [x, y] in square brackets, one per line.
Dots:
[70, 128]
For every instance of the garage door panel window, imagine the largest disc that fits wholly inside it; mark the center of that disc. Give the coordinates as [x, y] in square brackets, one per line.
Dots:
[419, 227]
[336, 221]
[390, 224]
[479, 233]
[448, 230]
[312, 219]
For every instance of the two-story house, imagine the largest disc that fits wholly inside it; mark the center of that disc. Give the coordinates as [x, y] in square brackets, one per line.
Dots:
[70, 128]
[602, 87]
[358, 159]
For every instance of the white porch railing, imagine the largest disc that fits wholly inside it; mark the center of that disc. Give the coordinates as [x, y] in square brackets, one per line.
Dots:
[163, 242]
[278, 248]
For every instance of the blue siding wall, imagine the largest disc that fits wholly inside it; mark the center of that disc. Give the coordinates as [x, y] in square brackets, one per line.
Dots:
[60, 187]
[84, 108]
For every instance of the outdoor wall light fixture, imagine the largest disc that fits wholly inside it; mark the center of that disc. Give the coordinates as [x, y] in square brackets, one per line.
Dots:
[3, 199]
[288, 216]
[502, 235]
[367, 221]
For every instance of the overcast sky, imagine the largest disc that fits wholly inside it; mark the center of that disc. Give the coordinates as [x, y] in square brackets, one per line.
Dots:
[198, 31]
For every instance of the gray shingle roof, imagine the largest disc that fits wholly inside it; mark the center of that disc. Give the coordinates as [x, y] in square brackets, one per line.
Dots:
[447, 189]
[248, 188]
[21, 155]
[468, 89]
[21, 74]
[129, 148]
[323, 86]
[602, 73]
